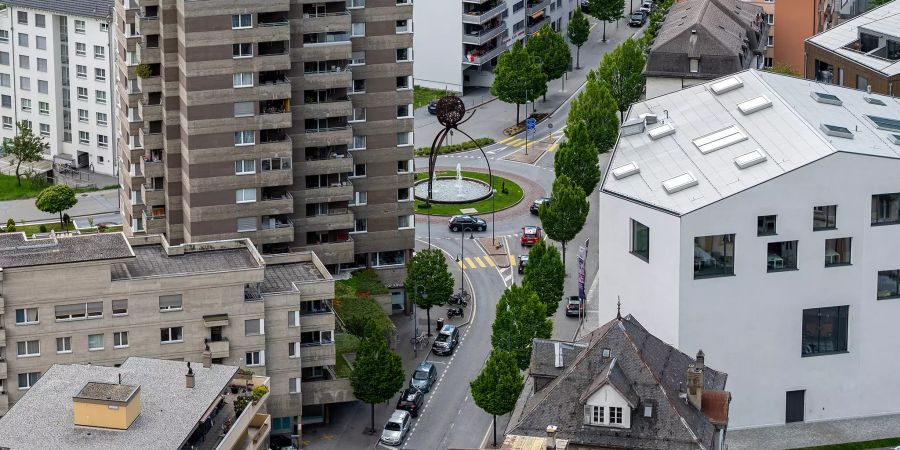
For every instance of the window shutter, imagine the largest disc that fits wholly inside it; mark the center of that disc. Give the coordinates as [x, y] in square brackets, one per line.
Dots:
[243, 109]
[170, 301]
[246, 224]
[95, 309]
[120, 306]
[587, 414]
[262, 357]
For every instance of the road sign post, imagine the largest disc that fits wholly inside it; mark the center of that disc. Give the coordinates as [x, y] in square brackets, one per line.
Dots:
[530, 123]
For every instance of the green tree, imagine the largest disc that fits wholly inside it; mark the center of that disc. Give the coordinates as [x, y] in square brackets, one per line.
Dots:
[545, 275]
[564, 215]
[25, 147]
[621, 71]
[521, 317]
[876, 3]
[578, 159]
[549, 48]
[606, 11]
[377, 372]
[518, 78]
[55, 199]
[577, 32]
[427, 271]
[784, 69]
[596, 108]
[498, 386]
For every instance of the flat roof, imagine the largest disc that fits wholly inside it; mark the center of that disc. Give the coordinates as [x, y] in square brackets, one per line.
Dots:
[87, 8]
[788, 135]
[170, 411]
[112, 392]
[281, 277]
[152, 261]
[884, 19]
[18, 251]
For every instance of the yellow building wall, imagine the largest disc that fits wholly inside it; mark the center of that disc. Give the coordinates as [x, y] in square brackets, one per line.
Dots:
[106, 416]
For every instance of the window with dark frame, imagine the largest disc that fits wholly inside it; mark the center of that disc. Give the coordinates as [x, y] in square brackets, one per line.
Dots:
[888, 284]
[837, 252]
[825, 330]
[824, 217]
[713, 256]
[781, 256]
[640, 240]
[765, 225]
[886, 209]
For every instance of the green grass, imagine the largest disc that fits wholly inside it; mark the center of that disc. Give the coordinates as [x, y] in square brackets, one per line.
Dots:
[355, 304]
[878, 443]
[31, 229]
[423, 96]
[513, 195]
[30, 189]
[364, 281]
[446, 149]
[344, 343]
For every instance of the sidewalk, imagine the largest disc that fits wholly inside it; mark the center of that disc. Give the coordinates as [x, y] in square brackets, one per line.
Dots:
[493, 117]
[798, 435]
[89, 204]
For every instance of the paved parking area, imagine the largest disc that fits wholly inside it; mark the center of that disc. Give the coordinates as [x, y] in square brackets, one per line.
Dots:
[808, 434]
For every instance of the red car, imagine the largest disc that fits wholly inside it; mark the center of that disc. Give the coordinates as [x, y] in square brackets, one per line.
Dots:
[531, 235]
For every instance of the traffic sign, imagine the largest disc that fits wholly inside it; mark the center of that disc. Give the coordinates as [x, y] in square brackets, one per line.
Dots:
[530, 123]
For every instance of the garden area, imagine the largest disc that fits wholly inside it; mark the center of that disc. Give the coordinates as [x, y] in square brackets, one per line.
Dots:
[10, 190]
[507, 194]
[423, 95]
[356, 307]
[455, 148]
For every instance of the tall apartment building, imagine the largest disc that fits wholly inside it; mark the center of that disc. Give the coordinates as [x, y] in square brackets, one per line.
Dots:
[486, 28]
[102, 298]
[758, 218]
[286, 122]
[768, 7]
[56, 73]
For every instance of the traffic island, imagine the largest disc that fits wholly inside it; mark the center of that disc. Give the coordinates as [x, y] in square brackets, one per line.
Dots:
[496, 250]
[508, 194]
[536, 149]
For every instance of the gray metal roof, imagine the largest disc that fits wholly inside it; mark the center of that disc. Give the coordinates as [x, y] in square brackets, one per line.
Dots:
[788, 133]
[169, 410]
[87, 8]
[18, 251]
[281, 277]
[884, 19]
[152, 261]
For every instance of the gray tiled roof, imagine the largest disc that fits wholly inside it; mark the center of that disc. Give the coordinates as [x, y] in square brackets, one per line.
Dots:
[280, 277]
[107, 391]
[17, 251]
[884, 19]
[654, 370]
[169, 410]
[152, 261]
[87, 8]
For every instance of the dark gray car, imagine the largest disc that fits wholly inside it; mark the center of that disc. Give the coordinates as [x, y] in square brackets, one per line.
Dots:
[424, 377]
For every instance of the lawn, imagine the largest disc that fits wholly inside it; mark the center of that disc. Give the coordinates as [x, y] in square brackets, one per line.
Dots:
[10, 191]
[355, 305]
[512, 196]
[31, 229]
[878, 443]
[423, 96]
[464, 146]
[344, 343]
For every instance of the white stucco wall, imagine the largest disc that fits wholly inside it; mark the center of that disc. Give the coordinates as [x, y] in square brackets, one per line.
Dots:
[437, 44]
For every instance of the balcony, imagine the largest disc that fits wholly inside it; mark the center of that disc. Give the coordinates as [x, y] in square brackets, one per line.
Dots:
[151, 138]
[273, 203]
[338, 164]
[325, 110]
[323, 136]
[2, 338]
[147, 24]
[3, 369]
[484, 36]
[330, 252]
[152, 168]
[335, 219]
[316, 354]
[273, 19]
[257, 431]
[219, 349]
[325, 194]
[337, 78]
[150, 84]
[248, 430]
[480, 57]
[150, 112]
[477, 17]
[275, 229]
[534, 5]
[320, 22]
[327, 391]
[153, 192]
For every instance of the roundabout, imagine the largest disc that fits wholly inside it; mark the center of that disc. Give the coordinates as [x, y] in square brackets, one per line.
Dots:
[459, 192]
[455, 190]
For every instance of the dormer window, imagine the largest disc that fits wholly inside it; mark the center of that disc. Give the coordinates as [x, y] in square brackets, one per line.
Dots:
[695, 65]
[615, 415]
[607, 416]
[595, 415]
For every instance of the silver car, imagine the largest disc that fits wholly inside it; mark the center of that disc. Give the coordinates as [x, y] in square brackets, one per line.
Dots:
[396, 428]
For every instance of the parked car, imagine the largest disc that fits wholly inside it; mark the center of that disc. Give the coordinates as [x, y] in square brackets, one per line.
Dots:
[446, 341]
[646, 7]
[424, 377]
[531, 235]
[467, 223]
[536, 205]
[574, 306]
[396, 428]
[638, 19]
[432, 107]
[411, 401]
[523, 260]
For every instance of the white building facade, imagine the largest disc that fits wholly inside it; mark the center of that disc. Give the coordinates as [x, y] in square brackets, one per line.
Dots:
[56, 73]
[486, 28]
[762, 223]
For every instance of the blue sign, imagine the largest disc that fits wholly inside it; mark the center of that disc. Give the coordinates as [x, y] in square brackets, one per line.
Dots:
[530, 123]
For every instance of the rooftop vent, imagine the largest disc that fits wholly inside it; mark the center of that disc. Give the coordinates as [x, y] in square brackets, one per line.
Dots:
[884, 123]
[648, 118]
[557, 352]
[626, 170]
[836, 131]
[895, 138]
[679, 183]
[719, 139]
[827, 99]
[874, 101]
[726, 85]
[754, 105]
[661, 131]
[632, 127]
[750, 159]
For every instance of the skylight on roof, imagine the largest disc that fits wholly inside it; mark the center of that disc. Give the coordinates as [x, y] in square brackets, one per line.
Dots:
[895, 138]
[679, 183]
[750, 159]
[884, 123]
[836, 131]
[626, 170]
[827, 99]
[661, 131]
[728, 84]
[753, 105]
[719, 139]
[874, 101]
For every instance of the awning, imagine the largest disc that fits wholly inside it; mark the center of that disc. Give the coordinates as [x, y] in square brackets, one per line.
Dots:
[215, 320]
[537, 14]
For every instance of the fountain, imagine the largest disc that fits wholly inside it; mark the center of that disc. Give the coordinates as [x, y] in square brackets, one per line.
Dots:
[450, 189]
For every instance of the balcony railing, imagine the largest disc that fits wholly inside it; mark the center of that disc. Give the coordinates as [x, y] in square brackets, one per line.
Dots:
[479, 17]
[327, 129]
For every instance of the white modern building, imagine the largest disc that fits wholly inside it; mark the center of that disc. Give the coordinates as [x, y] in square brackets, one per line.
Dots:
[758, 216]
[484, 30]
[56, 73]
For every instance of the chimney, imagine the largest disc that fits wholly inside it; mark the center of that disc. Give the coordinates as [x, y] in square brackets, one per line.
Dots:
[551, 437]
[868, 88]
[189, 378]
[207, 358]
[695, 381]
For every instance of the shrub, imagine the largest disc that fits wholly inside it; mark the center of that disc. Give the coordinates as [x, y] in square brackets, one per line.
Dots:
[142, 71]
[10, 225]
[259, 392]
[102, 228]
[445, 149]
[246, 372]
[240, 403]
[42, 228]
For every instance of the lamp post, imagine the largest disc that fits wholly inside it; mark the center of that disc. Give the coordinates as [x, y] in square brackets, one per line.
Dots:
[415, 341]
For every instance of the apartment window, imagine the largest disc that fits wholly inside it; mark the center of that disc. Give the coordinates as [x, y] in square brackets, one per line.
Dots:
[246, 224]
[837, 252]
[27, 349]
[824, 330]
[595, 414]
[404, 82]
[7, 123]
[80, 71]
[27, 380]
[390, 258]
[100, 97]
[25, 83]
[765, 225]
[403, 166]
[713, 256]
[770, 19]
[359, 170]
[695, 65]
[359, 86]
[24, 62]
[44, 129]
[770, 41]
[358, 115]
[361, 197]
[99, 52]
[358, 29]
[40, 42]
[5, 80]
[95, 342]
[119, 307]
[640, 240]
[358, 143]
[6, 101]
[4, 58]
[781, 256]
[357, 58]
[84, 137]
[239, 21]
[403, 195]
[170, 303]
[104, 27]
[245, 167]
[83, 115]
[23, 40]
[244, 109]
[293, 388]
[862, 82]
[615, 415]
[26, 316]
[243, 79]
[120, 339]
[404, 138]
[79, 26]
[82, 93]
[886, 209]
[405, 221]
[275, 164]
[43, 87]
[254, 327]
[402, 26]
[102, 142]
[247, 195]
[4, 36]
[360, 225]
[888, 284]
[294, 349]
[44, 108]
[80, 49]
[520, 25]
[404, 111]
[170, 335]
[243, 50]
[255, 358]
[355, 3]
[42, 64]
[77, 311]
[404, 54]
[64, 344]
[22, 17]
[102, 119]
[244, 138]
[518, 6]
[100, 74]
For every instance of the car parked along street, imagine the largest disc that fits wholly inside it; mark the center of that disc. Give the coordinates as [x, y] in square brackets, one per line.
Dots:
[396, 428]
[424, 377]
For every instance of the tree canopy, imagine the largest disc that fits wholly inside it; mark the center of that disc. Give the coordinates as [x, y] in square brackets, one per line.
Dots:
[518, 77]
[428, 272]
[550, 51]
[377, 371]
[784, 69]
[596, 108]
[621, 71]
[578, 31]
[545, 275]
[606, 11]
[564, 215]
[25, 147]
[498, 386]
[521, 317]
[55, 199]
[578, 159]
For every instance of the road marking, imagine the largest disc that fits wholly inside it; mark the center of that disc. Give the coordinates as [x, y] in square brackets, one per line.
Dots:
[552, 147]
[478, 260]
[506, 140]
[512, 260]
[460, 264]
[469, 262]
[490, 261]
[517, 143]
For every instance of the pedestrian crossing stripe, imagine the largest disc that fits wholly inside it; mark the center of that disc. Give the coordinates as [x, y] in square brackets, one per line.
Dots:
[469, 262]
[478, 260]
[506, 140]
[490, 261]
[460, 264]
[512, 260]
